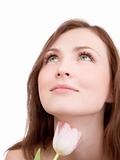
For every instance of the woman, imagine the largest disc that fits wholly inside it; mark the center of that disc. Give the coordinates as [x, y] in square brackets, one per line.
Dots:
[75, 79]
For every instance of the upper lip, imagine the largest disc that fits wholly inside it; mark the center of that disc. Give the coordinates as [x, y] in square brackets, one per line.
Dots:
[64, 86]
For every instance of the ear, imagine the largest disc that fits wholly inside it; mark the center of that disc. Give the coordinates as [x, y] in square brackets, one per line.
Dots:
[110, 97]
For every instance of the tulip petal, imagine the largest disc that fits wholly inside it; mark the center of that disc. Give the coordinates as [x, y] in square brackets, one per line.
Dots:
[55, 139]
[65, 139]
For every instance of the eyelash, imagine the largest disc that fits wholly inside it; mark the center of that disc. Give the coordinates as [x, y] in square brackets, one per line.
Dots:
[80, 54]
[87, 54]
[48, 56]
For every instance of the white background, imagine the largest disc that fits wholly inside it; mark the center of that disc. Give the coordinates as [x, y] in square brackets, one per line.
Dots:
[25, 25]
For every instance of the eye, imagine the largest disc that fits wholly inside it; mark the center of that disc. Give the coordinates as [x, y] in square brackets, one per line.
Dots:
[85, 56]
[50, 58]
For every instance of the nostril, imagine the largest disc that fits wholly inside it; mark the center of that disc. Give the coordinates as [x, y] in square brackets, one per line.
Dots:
[63, 74]
[67, 74]
[58, 74]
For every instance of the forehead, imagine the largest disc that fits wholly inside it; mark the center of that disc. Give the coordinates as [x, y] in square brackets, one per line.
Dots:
[80, 37]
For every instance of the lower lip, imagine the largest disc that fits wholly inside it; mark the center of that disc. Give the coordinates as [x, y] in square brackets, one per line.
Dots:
[63, 90]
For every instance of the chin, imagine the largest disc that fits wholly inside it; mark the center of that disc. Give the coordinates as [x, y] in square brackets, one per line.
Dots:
[54, 111]
[62, 112]
[68, 113]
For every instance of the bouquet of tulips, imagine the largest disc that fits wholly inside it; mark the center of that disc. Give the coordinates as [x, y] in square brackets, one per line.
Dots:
[65, 140]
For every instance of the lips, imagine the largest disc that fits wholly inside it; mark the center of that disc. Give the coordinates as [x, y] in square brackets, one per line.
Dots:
[64, 87]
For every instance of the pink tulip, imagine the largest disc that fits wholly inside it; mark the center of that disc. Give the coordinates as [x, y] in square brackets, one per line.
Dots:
[66, 139]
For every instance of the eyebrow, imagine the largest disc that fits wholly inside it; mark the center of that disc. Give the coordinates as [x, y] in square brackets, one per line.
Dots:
[85, 47]
[53, 49]
[75, 49]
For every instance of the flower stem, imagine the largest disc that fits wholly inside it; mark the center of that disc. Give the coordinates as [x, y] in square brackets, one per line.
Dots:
[56, 156]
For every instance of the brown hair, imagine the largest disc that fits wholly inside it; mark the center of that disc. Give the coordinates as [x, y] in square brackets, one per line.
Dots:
[40, 124]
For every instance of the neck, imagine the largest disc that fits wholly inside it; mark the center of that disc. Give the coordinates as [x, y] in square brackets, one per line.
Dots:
[91, 143]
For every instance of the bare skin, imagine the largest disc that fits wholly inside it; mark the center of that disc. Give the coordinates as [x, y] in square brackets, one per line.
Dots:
[15, 155]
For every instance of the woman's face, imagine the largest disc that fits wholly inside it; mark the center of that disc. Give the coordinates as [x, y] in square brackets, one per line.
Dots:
[75, 77]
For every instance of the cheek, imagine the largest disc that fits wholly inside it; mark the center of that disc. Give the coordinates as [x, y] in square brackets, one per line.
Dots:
[95, 86]
[45, 75]
[45, 79]
[42, 78]
[93, 77]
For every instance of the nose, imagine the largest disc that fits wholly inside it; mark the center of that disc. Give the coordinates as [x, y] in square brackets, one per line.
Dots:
[63, 71]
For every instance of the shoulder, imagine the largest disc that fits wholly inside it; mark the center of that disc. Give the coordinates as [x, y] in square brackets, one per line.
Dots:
[14, 155]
